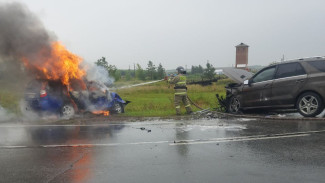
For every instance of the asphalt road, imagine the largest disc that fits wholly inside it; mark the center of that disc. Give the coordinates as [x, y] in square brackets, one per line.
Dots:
[217, 150]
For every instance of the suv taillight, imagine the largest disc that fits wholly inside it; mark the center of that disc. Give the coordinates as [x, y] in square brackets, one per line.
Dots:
[43, 93]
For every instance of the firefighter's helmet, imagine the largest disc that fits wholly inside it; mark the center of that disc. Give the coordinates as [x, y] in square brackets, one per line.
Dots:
[180, 69]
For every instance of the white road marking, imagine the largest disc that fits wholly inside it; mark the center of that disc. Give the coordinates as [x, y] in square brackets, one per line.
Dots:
[182, 142]
[103, 145]
[235, 140]
[93, 125]
[12, 147]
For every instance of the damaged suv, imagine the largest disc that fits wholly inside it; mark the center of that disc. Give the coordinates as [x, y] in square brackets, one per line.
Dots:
[296, 84]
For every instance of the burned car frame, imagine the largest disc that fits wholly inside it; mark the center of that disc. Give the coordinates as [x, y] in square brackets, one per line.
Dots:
[296, 84]
[51, 96]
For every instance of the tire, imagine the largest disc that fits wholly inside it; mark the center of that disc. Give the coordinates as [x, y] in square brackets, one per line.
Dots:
[234, 105]
[67, 111]
[309, 104]
[118, 108]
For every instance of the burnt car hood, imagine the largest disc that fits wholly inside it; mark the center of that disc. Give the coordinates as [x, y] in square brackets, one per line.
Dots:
[237, 75]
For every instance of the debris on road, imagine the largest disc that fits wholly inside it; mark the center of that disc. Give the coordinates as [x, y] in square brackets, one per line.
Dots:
[143, 128]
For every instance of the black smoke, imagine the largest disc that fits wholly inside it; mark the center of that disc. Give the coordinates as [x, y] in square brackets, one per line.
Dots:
[22, 34]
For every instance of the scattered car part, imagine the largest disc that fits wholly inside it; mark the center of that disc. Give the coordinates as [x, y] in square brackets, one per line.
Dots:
[203, 111]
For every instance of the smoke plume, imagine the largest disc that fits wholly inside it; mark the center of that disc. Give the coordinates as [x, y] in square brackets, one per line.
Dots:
[99, 74]
[22, 34]
[4, 115]
[27, 47]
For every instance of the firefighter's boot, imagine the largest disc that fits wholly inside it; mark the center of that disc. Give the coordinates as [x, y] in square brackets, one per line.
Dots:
[188, 109]
[178, 110]
[187, 105]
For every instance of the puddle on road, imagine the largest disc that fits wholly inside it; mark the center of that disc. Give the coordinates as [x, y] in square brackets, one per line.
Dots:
[147, 131]
[212, 127]
[127, 132]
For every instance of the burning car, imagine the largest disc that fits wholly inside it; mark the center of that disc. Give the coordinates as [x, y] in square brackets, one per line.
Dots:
[51, 96]
[61, 84]
[296, 84]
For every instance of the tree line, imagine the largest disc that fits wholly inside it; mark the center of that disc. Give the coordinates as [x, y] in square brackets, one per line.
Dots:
[151, 72]
[206, 73]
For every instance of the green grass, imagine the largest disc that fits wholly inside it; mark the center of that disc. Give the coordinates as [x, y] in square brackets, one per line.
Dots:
[10, 96]
[158, 100]
[149, 100]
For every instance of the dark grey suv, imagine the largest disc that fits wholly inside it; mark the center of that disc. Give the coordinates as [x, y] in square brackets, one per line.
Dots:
[291, 84]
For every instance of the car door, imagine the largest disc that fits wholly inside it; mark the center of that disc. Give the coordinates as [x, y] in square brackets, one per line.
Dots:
[289, 78]
[258, 92]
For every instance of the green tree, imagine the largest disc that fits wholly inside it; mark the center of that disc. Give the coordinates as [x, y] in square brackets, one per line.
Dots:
[117, 75]
[197, 69]
[151, 70]
[209, 71]
[139, 73]
[112, 70]
[160, 72]
[128, 75]
[102, 62]
[200, 69]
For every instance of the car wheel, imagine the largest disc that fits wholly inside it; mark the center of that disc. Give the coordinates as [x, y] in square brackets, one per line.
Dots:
[234, 105]
[118, 108]
[309, 104]
[67, 111]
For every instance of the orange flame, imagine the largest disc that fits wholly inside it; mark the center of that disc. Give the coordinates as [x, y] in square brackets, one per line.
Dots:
[105, 113]
[59, 64]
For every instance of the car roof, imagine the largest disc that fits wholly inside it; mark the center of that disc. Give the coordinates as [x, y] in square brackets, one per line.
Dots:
[307, 59]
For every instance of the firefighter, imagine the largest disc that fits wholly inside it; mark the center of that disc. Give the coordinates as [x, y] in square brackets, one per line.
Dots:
[180, 91]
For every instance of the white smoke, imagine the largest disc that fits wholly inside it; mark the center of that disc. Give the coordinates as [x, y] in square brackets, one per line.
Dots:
[26, 112]
[5, 115]
[100, 75]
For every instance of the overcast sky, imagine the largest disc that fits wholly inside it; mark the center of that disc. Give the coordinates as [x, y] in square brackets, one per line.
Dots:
[185, 32]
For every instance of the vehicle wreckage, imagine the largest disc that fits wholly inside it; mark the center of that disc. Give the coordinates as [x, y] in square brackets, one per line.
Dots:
[296, 84]
[238, 76]
[51, 96]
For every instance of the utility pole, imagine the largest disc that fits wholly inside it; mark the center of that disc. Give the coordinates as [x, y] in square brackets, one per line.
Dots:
[134, 70]
[282, 59]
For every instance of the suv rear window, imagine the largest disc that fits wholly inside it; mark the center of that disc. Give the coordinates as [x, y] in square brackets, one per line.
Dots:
[319, 65]
[289, 70]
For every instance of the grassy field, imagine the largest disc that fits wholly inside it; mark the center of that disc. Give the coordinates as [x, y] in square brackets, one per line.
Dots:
[148, 100]
[10, 96]
[158, 100]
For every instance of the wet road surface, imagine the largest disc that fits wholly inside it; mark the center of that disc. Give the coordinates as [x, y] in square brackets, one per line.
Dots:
[218, 150]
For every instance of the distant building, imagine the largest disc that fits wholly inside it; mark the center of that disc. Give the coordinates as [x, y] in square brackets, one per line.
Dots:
[218, 71]
[241, 56]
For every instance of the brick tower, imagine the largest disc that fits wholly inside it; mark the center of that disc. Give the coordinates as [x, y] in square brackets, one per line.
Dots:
[241, 56]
